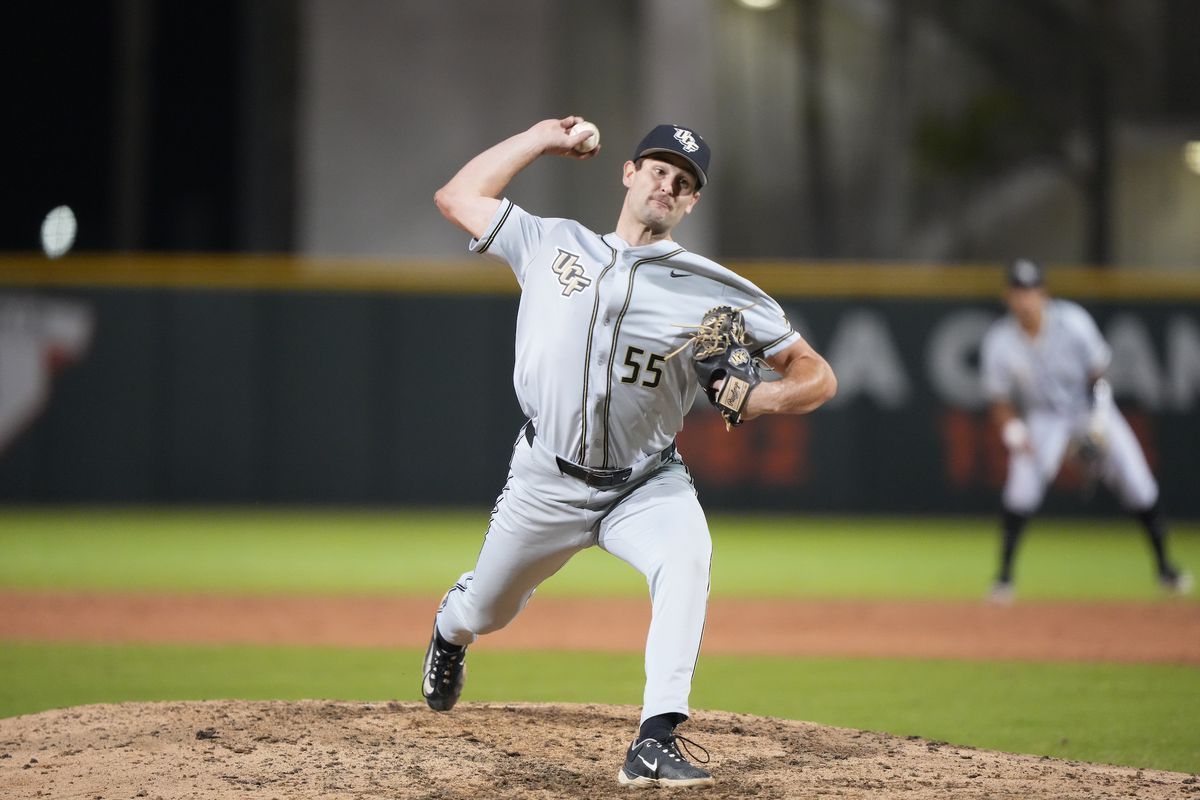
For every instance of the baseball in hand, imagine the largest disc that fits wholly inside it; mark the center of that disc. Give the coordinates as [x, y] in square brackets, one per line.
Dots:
[588, 144]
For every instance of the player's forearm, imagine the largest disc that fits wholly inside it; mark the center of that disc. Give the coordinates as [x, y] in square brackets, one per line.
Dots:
[487, 174]
[807, 384]
[471, 196]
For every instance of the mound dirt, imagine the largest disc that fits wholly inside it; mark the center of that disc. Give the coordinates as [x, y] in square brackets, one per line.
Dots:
[224, 750]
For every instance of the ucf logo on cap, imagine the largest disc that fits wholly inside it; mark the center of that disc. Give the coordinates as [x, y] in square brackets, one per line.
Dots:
[683, 142]
[687, 139]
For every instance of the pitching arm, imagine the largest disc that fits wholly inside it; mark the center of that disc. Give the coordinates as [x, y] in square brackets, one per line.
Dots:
[472, 196]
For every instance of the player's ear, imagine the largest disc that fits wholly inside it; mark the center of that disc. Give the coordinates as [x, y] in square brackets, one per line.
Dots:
[627, 173]
[695, 198]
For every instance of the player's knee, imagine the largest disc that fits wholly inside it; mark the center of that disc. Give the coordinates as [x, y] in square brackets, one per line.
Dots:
[487, 620]
[1138, 498]
[1021, 509]
[686, 569]
[1025, 502]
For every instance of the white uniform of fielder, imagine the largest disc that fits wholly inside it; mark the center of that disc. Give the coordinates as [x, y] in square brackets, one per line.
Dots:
[1042, 367]
[596, 464]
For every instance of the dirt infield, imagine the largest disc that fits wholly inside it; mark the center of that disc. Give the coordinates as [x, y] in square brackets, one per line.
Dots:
[227, 750]
[1165, 632]
[265, 750]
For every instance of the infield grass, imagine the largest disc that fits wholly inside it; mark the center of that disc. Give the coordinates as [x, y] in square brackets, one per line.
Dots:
[414, 552]
[1135, 715]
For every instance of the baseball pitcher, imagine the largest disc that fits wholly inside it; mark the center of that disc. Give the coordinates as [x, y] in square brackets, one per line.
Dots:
[616, 334]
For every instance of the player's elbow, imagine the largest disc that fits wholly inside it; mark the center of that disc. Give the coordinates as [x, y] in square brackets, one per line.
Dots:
[826, 388]
[830, 385]
[810, 381]
[447, 203]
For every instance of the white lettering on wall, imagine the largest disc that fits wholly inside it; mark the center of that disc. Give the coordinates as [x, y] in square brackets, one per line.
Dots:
[868, 363]
[865, 359]
[952, 357]
[1134, 371]
[36, 334]
[1183, 362]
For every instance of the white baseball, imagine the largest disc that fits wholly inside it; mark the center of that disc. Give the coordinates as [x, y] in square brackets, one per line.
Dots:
[588, 144]
[58, 231]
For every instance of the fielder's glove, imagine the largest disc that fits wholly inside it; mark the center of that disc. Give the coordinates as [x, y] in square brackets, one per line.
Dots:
[1089, 448]
[720, 349]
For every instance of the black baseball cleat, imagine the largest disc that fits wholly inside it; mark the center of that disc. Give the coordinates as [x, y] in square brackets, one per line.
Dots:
[445, 674]
[651, 763]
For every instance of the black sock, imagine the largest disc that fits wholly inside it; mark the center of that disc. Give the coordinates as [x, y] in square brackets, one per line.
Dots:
[1156, 532]
[1013, 524]
[660, 726]
[445, 646]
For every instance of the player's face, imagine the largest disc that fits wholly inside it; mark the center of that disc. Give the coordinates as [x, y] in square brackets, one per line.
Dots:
[661, 191]
[1026, 306]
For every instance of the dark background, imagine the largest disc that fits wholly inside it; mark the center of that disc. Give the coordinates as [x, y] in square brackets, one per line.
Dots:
[345, 398]
[206, 126]
[888, 131]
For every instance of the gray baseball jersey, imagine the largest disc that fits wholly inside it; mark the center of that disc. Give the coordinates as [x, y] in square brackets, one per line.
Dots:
[596, 323]
[1048, 379]
[1051, 372]
[598, 319]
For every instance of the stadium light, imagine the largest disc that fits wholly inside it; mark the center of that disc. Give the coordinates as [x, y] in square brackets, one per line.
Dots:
[759, 5]
[1191, 156]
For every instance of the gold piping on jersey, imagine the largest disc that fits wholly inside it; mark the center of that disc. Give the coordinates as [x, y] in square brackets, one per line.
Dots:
[616, 333]
[496, 229]
[766, 347]
[587, 355]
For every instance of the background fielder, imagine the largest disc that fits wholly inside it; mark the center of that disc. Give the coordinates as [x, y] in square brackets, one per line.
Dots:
[1043, 367]
[596, 464]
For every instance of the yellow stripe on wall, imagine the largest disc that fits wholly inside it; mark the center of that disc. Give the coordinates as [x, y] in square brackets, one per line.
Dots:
[784, 279]
[258, 272]
[884, 280]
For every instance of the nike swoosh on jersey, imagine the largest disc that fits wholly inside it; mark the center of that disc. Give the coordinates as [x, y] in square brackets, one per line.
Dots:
[675, 274]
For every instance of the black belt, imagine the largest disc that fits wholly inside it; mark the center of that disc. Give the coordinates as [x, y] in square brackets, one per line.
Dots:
[597, 478]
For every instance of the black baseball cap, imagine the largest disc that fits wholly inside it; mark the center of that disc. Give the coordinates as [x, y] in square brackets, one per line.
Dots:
[683, 142]
[1025, 274]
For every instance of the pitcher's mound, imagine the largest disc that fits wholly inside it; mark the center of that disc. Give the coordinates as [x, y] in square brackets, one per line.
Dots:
[218, 750]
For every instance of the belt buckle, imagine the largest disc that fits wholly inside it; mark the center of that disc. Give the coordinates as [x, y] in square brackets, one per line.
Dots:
[606, 478]
[596, 478]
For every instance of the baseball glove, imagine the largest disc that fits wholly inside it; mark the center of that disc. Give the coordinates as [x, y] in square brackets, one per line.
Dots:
[720, 349]
[1089, 449]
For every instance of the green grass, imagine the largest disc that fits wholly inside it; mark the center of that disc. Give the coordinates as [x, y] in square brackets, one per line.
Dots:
[413, 552]
[1124, 714]
[1136, 715]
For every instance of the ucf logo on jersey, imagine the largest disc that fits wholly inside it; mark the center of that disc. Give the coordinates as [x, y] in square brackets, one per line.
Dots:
[570, 273]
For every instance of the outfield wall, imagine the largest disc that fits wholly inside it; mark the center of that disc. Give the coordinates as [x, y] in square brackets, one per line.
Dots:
[273, 380]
